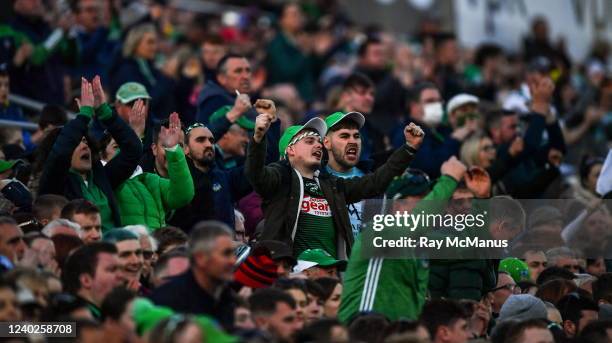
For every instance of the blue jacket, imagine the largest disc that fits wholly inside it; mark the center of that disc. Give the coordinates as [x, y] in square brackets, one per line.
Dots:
[211, 98]
[437, 147]
[216, 192]
[95, 50]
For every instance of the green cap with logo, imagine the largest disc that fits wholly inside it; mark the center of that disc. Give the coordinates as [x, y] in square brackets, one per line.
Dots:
[337, 117]
[413, 182]
[6, 165]
[243, 121]
[518, 269]
[131, 91]
[316, 124]
[318, 257]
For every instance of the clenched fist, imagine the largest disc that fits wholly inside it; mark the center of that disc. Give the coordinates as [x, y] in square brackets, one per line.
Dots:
[262, 124]
[453, 168]
[414, 135]
[266, 106]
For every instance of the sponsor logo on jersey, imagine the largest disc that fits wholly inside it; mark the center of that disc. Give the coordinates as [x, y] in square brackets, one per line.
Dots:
[316, 206]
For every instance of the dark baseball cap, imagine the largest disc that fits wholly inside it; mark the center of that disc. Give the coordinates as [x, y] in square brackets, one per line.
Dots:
[277, 249]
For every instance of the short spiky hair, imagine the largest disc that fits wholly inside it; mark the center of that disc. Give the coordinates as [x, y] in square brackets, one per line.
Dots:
[205, 233]
[345, 123]
[222, 65]
[263, 302]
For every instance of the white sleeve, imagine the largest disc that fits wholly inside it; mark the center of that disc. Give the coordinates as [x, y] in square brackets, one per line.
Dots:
[604, 183]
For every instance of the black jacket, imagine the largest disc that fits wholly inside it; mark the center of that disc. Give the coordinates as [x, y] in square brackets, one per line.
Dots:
[183, 294]
[282, 189]
[57, 179]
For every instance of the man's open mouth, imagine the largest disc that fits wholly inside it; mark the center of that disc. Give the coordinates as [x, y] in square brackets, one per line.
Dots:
[318, 154]
[351, 152]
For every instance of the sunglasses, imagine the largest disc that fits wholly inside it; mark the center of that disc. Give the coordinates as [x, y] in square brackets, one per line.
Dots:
[193, 126]
[488, 148]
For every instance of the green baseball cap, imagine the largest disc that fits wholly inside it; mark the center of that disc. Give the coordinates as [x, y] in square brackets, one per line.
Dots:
[119, 235]
[6, 165]
[335, 118]
[317, 124]
[518, 269]
[317, 257]
[131, 91]
[412, 183]
[243, 121]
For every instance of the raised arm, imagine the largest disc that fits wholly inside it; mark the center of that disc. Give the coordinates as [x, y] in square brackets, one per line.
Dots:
[122, 166]
[57, 167]
[376, 183]
[178, 190]
[265, 179]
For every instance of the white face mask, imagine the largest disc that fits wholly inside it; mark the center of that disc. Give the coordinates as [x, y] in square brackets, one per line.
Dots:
[433, 113]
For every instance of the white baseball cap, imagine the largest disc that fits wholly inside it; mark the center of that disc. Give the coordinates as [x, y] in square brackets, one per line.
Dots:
[460, 100]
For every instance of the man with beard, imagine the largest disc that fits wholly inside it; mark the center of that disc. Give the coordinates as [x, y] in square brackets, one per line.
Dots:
[216, 190]
[343, 145]
[129, 252]
[357, 95]
[302, 208]
[71, 169]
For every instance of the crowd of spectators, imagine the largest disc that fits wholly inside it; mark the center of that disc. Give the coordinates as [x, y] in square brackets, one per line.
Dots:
[203, 177]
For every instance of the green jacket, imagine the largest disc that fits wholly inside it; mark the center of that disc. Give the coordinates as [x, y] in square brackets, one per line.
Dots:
[144, 199]
[395, 288]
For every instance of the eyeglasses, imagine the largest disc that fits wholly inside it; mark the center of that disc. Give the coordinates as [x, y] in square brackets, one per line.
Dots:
[193, 126]
[510, 287]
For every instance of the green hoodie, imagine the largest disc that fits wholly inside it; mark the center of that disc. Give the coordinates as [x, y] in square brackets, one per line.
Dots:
[147, 197]
[393, 287]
